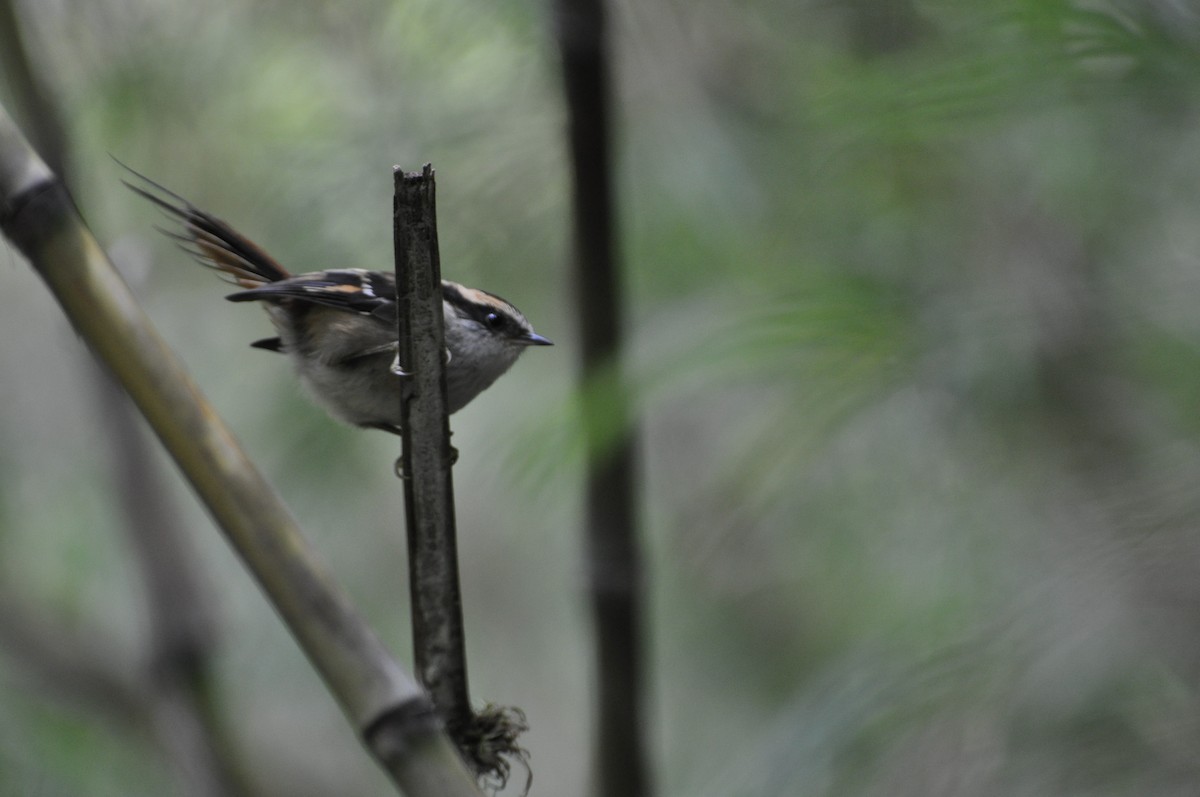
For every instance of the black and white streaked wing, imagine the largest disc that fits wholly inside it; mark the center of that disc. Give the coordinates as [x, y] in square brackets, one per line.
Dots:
[352, 290]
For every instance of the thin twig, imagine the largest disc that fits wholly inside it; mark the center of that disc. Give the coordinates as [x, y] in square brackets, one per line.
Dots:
[614, 561]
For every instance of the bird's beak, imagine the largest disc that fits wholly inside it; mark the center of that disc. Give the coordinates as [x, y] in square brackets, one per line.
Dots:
[534, 339]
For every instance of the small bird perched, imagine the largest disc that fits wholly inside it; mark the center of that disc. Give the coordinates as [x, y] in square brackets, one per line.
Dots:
[339, 326]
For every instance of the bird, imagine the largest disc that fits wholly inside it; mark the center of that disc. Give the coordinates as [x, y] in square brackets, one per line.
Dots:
[338, 325]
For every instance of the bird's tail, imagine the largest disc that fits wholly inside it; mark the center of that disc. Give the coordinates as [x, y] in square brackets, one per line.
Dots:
[211, 241]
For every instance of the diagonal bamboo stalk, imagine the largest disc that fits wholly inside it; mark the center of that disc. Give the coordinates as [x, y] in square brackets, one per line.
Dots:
[392, 714]
[182, 709]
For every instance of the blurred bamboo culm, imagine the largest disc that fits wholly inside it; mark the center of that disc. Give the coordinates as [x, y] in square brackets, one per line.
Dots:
[614, 563]
[180, 709]
[382, 702]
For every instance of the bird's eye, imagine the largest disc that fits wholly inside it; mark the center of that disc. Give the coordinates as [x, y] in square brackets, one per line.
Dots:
[494, 321]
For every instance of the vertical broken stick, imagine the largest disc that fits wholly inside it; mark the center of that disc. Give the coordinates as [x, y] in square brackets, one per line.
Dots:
[427, 458]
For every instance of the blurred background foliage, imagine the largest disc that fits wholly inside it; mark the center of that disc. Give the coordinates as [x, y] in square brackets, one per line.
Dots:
[913, 337]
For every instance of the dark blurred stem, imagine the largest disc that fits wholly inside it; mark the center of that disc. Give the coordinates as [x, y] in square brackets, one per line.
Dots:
[76, 665]
[614, 564]
[182, 706]
[883, 27]
[80, 667]
[439, 646]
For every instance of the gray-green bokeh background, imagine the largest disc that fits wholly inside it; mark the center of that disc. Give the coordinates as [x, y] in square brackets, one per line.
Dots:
[913, 332]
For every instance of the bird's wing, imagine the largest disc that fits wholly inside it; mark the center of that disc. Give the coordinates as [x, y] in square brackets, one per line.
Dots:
[351, 290]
